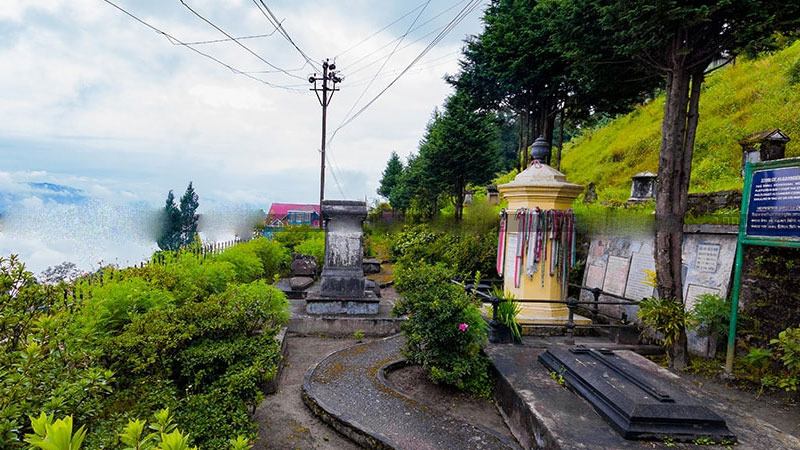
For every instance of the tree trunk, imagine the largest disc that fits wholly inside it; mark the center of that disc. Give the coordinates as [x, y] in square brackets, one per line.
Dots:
[560, 139]
[669, 214]
[520, 147]
[459, 200]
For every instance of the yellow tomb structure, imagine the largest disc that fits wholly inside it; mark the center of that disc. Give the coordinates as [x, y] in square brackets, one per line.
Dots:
[538, 186]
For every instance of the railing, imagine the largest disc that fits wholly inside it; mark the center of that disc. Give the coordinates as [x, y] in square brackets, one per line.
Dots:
[482, 290]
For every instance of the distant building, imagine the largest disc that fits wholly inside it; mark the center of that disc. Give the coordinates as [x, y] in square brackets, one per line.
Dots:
[286, 214]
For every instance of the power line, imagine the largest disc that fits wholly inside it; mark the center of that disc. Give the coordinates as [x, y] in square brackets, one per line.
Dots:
[379, 31]
[274, 21]
[239, 43]
[215, 41]
[385, 61]
[173, 39]
[418, 68]
[394, 40]
[452, 24]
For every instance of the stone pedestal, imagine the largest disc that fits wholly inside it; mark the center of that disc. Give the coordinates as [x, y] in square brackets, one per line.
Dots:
[538, 186]
[342, 287]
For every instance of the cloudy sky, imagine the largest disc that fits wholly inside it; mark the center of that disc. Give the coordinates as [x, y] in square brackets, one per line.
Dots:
[96, 101]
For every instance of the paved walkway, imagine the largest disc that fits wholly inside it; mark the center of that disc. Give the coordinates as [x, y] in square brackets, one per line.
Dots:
[347, 390]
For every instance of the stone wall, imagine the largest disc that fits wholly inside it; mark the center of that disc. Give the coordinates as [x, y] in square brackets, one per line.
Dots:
[709, 202]
[769, 301]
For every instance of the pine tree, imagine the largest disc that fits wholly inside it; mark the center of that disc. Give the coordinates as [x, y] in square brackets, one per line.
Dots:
[170, 238]
[188, 216]
[391, 175]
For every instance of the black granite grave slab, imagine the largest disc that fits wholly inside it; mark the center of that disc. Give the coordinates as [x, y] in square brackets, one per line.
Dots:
[636, 403]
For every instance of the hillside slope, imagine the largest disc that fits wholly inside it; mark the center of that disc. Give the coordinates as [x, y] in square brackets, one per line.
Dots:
[737, 100]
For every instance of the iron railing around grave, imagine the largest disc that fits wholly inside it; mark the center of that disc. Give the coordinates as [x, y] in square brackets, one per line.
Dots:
[485, 287]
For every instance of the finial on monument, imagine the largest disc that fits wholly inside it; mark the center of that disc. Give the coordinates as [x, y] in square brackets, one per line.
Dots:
[540, 150]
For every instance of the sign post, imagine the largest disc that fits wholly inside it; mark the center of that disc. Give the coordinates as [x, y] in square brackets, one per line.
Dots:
[770, 216]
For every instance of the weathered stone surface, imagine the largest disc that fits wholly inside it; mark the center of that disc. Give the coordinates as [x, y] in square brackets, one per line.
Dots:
[371, 266]
[343, 275]
[372, 286]
[300, 283]
[303, 265]
[637, 404]
[366, 305]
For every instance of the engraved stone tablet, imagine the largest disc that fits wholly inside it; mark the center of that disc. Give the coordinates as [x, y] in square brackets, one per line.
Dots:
[616, 275]
[707, 257]
[511, 255]
[637, 288]
[594, 276]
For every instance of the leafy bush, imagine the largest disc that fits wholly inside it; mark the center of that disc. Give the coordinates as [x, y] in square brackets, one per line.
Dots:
[711, 315]
[111, 306]
[444, 331]
[274, 257]
[314, 247]
[467, 253]
[664, 316]
[793, 74]
[189, 278]
[788, 347]
[291, 236]
[246, 263]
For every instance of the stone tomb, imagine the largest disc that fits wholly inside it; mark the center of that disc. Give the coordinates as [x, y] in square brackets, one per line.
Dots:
[619, 265]
[636, 403]
[342, 289]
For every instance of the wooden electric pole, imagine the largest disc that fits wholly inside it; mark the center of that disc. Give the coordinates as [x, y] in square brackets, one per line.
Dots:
[329, 75]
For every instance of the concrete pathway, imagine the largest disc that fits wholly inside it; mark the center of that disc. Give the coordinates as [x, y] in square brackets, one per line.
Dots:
[348, 391]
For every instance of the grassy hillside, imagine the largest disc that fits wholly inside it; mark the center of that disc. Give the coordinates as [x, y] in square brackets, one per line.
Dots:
[737, 100]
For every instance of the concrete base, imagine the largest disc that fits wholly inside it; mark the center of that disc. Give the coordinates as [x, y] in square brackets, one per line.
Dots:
[543, 313]
[271, 386]
[368, 305]
[382, 324]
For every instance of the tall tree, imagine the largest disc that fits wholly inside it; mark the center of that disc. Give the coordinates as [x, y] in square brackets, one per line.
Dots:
[391, 176]
[170, 238]
[677, 39]
[461, 147]
[188, 221]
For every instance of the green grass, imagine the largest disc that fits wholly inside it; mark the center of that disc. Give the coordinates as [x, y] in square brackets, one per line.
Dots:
[743, 98]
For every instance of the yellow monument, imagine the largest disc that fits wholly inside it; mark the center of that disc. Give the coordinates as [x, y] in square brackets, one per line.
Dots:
[546, 188]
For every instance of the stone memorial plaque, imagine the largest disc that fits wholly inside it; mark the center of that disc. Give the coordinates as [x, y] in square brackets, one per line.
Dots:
[594, 276]
[637, 288]
[616, 275]
[707, 257]
[774, 208]
[695, 290]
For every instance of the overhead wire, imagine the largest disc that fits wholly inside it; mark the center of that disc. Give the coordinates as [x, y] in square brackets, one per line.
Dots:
[379, 31]
[350, 72]
[463, 13]
[173, 39]
[386, 61]
[279, 26]
[246, 48]
[215, 41]
[418, 68]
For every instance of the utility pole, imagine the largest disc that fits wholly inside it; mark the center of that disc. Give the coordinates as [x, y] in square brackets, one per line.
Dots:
[329, 75]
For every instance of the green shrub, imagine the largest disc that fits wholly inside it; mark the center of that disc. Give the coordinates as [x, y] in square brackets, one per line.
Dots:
[444, 331]
[111, 306]
[190, 278]
[291, 236]
[275, 258]
[314, 247]
[793, 74]
[711, 314]
[787, 346]
[507, 312]
[466, 253]
[664, 316]
[246, 263]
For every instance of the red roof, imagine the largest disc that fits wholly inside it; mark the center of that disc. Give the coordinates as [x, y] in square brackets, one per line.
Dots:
[281, 209]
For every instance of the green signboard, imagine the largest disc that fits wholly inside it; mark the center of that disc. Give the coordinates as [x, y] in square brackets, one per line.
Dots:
[770, 216]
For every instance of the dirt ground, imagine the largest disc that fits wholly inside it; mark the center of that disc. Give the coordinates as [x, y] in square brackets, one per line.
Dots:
[770, 408]
[413, 381]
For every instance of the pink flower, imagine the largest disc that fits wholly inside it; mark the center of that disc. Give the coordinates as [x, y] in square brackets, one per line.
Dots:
[463, 327]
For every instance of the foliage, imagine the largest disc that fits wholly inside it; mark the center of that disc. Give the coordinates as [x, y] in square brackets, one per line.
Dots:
[314, 247]
[664, 316]
[180, 332]
[787, 346]
[49, 435]
[711, 315]
[391, 176]
[444, 331]
[179, 223]
[467, 253]
[750, 96]
[292, 236]
[507, 312]
[275, 258]
[793, 74]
